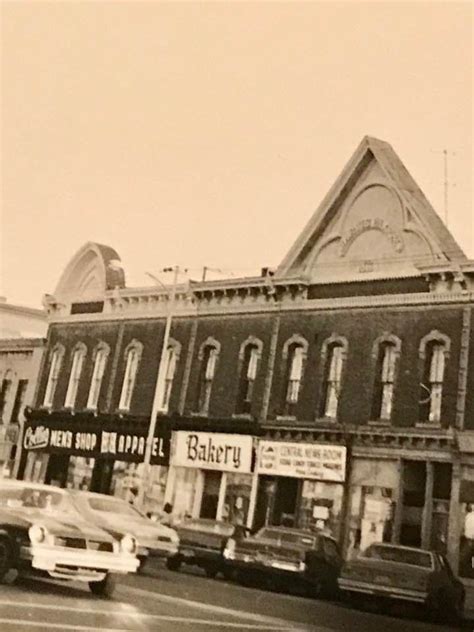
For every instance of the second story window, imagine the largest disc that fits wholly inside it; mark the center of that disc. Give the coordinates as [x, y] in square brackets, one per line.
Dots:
[335, 353]
[100, 362]
[53, 375]
[294, 352]
[172, 356]
[209, 354]
[5, 393]
[387, 352]
[77, 363]
[132, 360]
[249, 356]
[19, 403]
[434, 355]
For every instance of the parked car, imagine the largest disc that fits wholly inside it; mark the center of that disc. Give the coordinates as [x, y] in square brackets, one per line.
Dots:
[118, 517]
[388, 572]
[282, 554]
[41, 532]
[202, 542]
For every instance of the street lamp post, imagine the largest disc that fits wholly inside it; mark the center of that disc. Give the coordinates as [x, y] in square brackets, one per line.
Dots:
[159, 391]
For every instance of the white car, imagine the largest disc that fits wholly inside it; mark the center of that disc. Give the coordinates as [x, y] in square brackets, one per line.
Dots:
[118, 517]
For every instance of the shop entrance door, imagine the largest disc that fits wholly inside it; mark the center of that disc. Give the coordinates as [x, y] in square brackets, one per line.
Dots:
[210, 494]
[285, 505]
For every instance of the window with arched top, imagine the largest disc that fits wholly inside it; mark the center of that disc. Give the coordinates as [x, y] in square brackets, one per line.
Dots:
[334, 352]
[208, 356]
[55, 362]
[249, 359]
[434, 353]
[5, 391]
[295, 351]
[77, 362]
[173, 352]
[386, 352]
[100, 357]
[133, 354]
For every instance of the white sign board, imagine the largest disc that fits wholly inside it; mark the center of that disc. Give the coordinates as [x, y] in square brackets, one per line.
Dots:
[212, 451]
[321, 461]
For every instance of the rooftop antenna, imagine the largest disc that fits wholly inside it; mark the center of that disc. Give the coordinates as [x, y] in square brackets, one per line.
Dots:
[446, 183]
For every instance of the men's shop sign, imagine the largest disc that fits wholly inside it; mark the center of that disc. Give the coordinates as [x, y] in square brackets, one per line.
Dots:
[120, 445]
[322, 462]
[212, 451]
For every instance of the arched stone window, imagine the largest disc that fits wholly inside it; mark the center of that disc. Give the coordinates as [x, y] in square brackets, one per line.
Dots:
[294, 353]
[55, 362]
[100, 357]
[385, 352]
[173, 352]
[208, 357]
[249, 359]
[133, 354]
[434, 353]
[77, 362]
[333, 359]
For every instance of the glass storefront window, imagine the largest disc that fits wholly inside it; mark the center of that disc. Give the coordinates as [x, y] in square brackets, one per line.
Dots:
[320, 506]
[237, 498]
[187, 485]
[79, 473]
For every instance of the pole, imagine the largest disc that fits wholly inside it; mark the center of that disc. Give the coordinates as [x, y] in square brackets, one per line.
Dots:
[445, 153]
[158, 396]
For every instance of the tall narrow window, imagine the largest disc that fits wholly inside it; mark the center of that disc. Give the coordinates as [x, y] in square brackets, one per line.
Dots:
[249, 356]
[100, 362]
[75, 375]
[54, 368]
[387, 353]
[172, 355]
[19, 402]
[333, 379]
[294, 355]
[133, 355]
[4, 394]
[431, 392]
[209, 355]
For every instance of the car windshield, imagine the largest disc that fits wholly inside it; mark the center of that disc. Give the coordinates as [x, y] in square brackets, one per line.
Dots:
[34, 498]
[112, 506]
[287, 537]
[220, 528]
[399, 555]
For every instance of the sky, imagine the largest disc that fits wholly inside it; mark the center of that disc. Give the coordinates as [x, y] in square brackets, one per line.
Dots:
[206, 134]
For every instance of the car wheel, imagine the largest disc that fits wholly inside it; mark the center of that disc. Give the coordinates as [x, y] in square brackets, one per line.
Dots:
[210, 572]
[173, 563]
[104, 588]
[8, 573]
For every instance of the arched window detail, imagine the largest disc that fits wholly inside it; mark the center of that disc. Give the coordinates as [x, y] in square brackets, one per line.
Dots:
[333, 356]
[100, 357]
[249, 359]
[78, 355]
[294, 353]
[386, 351]
[208, 356]
[434, 353]
[133, 354]
[173, 352]
[5, 389]
[55, 361]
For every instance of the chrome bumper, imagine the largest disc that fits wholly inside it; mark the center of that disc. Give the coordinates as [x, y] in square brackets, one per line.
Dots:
[391, 592]
[157, 548]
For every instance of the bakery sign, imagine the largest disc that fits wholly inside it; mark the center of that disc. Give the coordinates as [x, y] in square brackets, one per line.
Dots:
[212, 451]
[318, 461]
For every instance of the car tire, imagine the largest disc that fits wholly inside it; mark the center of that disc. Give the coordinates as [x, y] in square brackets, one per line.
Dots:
[104, 588]
[8, 572]
[173, 563]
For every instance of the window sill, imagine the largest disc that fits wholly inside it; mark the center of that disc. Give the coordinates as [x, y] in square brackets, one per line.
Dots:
[379, 422]
[199, 414]
[242, 416]
[285, 418]
[428, 424]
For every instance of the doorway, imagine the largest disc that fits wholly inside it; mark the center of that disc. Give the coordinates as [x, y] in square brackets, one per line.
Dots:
[210, 494]
[277, 501]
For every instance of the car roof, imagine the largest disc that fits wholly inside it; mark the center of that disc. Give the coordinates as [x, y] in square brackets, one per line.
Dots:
[13, 483]
[387, 545]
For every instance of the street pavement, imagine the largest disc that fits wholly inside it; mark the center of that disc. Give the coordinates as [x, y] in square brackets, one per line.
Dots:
[165, 601]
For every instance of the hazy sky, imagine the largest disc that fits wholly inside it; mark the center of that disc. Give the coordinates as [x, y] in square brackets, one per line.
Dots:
[207, 134]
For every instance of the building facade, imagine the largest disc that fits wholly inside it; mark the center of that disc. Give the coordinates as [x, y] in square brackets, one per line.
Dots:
[334, 392]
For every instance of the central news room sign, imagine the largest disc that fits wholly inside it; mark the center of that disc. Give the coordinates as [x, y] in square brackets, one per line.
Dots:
[317, 461]
[212, 451]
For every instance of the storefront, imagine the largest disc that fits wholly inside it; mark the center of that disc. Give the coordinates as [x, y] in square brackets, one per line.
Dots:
[210, 475]
[300, 485]
[81, 452]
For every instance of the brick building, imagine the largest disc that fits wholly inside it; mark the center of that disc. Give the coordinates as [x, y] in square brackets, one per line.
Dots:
[334, 392]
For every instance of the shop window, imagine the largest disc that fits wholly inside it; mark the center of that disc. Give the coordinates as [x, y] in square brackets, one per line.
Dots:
[294, 353]
[386, 354]
[77, 363]
[100, 361]
[249, 357]
[19, 402]
[5, 393]
[171, 360]
[55, 363]
[334, 352]
[132, 360]
[434, 351]
[208, 355]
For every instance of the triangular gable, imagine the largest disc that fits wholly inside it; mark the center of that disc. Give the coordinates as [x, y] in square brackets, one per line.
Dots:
[374, 222]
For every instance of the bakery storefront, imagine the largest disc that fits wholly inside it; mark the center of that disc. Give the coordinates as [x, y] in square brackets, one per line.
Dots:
[106, 455]
[210, 475]
[300, 485]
